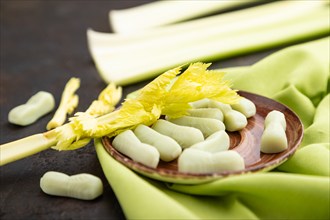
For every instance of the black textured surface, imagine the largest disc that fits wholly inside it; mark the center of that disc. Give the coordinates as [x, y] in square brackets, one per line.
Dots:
[43, 45]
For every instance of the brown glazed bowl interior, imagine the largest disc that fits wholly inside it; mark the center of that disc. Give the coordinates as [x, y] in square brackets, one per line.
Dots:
[246, 142]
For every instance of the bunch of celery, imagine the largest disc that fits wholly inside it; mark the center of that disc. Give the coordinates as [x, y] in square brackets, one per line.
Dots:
[126, 58]
[168, 94]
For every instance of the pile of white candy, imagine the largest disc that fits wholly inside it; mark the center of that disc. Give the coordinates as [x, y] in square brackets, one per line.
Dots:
[199, 140]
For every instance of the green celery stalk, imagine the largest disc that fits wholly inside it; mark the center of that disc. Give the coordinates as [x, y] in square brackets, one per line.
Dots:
[162, 13]
[26, 147]
[128, 58]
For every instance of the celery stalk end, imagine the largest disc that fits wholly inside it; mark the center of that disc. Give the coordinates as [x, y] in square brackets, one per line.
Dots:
[27, 146]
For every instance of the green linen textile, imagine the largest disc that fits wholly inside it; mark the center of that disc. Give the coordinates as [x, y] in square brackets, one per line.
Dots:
[298, 77]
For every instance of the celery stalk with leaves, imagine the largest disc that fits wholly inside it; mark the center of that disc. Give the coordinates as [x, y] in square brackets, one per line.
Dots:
[170, 94]
[30, 145]
[161, 96]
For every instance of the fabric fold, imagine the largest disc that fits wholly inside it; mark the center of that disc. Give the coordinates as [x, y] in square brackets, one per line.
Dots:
[272, 195]
[298, 102]
[319, 130]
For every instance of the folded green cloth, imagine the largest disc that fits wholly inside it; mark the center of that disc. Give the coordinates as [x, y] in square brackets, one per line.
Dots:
[297, 76]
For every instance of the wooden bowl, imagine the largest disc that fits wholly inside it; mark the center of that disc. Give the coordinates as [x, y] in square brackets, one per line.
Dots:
[246, 142]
